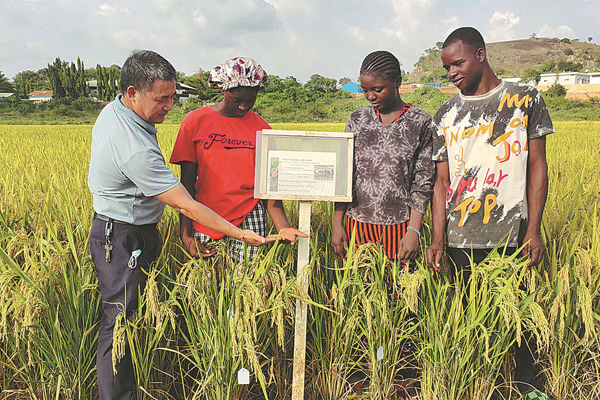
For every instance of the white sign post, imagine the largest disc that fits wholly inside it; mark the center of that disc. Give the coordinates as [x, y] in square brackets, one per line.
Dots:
[301, 307]
[304, 166]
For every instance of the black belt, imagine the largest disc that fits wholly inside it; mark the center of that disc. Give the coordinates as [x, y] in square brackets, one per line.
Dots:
[104, 218]
[107, 219]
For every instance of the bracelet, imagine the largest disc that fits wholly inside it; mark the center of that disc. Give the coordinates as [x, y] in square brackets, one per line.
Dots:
[414, 229]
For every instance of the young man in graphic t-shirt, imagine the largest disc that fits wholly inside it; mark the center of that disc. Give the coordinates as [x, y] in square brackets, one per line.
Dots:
[490, 153]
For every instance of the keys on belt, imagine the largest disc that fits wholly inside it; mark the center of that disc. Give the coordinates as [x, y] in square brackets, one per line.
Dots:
[108, 230]
[108, 233]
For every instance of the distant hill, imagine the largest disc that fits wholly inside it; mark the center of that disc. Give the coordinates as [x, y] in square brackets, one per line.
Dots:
[510, 59]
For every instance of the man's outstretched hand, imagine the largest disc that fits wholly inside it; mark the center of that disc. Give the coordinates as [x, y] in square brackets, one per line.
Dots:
[289, 235]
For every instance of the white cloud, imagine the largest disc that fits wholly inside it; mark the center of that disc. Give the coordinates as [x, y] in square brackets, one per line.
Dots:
[410, 16]
[129, 39]
[199, 18]
[559, 31]
[502, 26]
[357, 33]
[163, 5]
[111, 10]
[34, 46]
[303, 6]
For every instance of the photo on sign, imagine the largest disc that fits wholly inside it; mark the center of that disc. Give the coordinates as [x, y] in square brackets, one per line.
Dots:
[274, 174]
[324, 172]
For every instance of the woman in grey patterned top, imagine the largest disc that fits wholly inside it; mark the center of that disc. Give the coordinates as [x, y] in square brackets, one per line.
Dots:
[393, 170]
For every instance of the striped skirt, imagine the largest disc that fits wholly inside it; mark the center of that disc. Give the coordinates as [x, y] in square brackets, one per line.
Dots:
[386, 236]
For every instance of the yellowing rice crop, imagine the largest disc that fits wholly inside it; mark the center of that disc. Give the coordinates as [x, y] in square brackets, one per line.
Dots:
[186, 344]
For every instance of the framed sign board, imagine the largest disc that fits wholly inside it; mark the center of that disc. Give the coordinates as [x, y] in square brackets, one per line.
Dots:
[304, 165]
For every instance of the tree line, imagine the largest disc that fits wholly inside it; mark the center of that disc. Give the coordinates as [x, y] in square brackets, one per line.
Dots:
[65, 80]
[68, 80]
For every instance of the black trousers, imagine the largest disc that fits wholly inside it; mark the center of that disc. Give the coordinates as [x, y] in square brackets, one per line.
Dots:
[121, 281]
[525, 373]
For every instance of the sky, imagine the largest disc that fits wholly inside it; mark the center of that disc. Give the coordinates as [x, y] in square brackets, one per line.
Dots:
[287, 37]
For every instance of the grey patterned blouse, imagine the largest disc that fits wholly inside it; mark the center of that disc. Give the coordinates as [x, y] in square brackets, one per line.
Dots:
[393, 169]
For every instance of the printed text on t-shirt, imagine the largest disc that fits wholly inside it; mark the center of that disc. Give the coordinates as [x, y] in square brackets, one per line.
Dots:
[227, 143]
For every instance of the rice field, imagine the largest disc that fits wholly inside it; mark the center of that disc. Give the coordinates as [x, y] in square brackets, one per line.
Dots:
[202, 321]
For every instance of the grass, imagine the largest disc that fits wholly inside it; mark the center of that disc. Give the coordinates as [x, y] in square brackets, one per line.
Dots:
[202, 321]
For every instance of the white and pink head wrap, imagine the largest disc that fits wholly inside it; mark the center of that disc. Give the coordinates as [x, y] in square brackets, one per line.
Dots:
[239, 71]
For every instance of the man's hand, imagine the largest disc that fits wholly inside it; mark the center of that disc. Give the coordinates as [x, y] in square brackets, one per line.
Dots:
[435, 252]
[533, 248]
[197, 249]
[339, 241]
[409, 245]
[288, 235]
[254, 239]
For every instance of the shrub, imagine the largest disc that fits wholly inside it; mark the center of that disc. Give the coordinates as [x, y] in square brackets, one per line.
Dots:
[556, 90]
[25, 107]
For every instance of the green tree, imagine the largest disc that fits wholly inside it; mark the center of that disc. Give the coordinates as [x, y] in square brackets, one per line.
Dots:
[28, 81]
[318, 83]
[199, 80]
[5, 85]
[68, 80]
[558, 65]
[531, 75]
[179, 76]
[274, 84]
[54, 75]
[291, 82]
[108, 81]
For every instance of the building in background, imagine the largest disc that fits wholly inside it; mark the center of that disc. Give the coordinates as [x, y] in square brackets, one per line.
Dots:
[351, 87]
[594, 77]
[564, 78]
[40, 96]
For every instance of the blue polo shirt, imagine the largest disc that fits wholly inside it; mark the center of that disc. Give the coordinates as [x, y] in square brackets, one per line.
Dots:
[127, 168]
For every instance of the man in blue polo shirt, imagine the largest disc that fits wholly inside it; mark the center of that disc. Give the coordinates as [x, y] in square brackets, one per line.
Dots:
[131, 184]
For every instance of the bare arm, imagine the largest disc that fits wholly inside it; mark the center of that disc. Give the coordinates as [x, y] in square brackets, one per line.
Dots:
[339, 238]
[438, 213]
[286, 233]
[409, 244]
[180, 199]
[537, 191]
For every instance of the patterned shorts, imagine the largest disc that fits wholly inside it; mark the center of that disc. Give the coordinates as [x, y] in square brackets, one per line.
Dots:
[256, 221]
[386, 236]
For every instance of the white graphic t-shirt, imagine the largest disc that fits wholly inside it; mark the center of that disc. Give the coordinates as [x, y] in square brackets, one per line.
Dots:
[485, 141]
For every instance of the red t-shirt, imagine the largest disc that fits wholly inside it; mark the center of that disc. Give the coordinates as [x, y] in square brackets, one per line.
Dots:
[224, 149]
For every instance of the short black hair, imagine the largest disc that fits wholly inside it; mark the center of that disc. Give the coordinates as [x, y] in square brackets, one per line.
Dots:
[142, 68]
[381, 64]
[469, 36]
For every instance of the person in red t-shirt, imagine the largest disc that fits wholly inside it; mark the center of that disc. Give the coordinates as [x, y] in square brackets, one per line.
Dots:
[216, 148]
